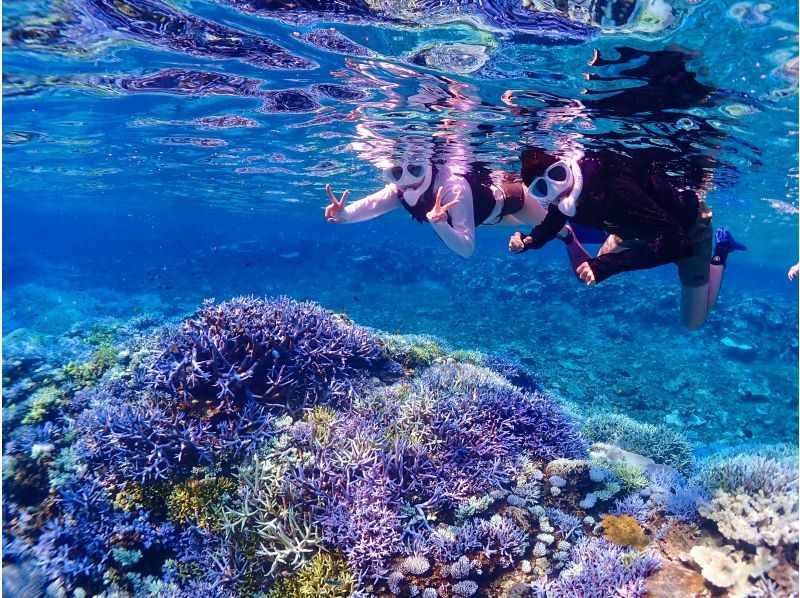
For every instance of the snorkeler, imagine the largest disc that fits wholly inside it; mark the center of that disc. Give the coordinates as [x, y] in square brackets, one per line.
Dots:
[459, 203]
[652, 220]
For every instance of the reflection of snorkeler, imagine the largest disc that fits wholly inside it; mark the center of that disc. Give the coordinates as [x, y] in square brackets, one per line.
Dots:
[652, 220]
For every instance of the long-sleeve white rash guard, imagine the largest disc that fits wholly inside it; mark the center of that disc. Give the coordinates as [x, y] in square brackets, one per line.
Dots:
[458, 235]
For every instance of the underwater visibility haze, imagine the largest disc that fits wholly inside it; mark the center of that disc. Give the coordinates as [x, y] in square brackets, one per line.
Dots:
[210, 390]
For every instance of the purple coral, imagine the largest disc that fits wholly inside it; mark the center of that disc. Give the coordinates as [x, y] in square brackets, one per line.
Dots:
[501, 537]
[483, 427]
[273, 350]
[566, 523]
[152, 440]
[634, 506]
[143, 441]
[600, 569]
[514, 372]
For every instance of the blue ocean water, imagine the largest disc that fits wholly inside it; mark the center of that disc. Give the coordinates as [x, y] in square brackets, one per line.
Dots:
[156, 154]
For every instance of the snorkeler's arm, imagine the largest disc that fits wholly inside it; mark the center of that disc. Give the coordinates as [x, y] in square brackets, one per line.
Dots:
[547, 229]
[459, 233]
[372, 206]
[666, 248]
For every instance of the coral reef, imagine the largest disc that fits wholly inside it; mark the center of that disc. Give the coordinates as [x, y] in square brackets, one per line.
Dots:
[269, 447]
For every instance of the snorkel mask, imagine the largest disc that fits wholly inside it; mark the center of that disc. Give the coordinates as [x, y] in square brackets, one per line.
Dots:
[561, 183]
[413, 179]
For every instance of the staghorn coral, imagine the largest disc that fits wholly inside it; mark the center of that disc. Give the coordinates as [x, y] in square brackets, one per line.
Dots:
[600, 569]
[277, 351]
[660, 443]
[325, 576]
[500, 536]
[634, 506]
[566, 523]
[263, 522]
[624, 530]
[146, 436]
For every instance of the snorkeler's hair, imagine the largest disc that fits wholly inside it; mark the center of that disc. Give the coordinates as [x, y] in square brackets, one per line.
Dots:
[534, 162]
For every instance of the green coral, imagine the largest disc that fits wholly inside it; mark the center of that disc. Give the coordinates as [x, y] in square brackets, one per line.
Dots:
[631, 476]
[326, 576]
[85, 375]
[465, 356]
[414, 350]
[660, 443]
[126, 558]
[43, 404]
[196, 501]
[475, 505]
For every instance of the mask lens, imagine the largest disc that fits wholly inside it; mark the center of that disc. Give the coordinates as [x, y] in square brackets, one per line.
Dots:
[539, 187]
[415, 169]
[396, 173]
[557, 173]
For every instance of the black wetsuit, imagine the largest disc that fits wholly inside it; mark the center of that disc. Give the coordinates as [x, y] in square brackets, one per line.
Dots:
[634, 199]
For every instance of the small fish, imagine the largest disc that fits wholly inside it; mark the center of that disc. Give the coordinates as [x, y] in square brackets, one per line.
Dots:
[275, 354]
[333, 582]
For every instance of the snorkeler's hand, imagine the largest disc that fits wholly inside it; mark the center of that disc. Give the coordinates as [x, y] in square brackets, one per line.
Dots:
[793, 271]
[585, 273]
[337, 206]
[516, 244]
[439, 211]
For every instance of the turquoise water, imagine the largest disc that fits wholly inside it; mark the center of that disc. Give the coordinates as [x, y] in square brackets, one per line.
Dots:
[155, 155]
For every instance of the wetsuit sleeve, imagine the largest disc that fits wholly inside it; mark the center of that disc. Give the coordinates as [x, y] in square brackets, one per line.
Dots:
[667, 242]
[372, 206]
[547, 229]
[458, 231]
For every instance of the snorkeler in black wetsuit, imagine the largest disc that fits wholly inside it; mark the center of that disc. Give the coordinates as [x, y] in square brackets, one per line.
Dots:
[649, 199]
[652, 220]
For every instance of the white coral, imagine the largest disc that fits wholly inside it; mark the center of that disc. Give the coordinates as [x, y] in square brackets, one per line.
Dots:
[727, 568]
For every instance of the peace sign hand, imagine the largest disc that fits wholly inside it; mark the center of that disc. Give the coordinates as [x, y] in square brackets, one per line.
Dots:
[337, 206]
[439, 211]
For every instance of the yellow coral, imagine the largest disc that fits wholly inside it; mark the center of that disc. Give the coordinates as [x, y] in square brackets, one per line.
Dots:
[624, 530]
[194, 501]
[326, 576]
[321, 418]
[43, 402]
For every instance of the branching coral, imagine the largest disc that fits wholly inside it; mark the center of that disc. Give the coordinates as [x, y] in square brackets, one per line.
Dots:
[500, 536]
[196, 501]
[264, 523]
[600, 569]
[326, 576]
[660, 443]
[153, 439]
[76, 547]
[277, 351]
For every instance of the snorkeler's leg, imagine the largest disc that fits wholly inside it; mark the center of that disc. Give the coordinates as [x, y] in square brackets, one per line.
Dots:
[694, 305]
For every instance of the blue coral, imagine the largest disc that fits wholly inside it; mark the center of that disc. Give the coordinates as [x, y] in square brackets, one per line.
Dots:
[276, 351]
[77, 545]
